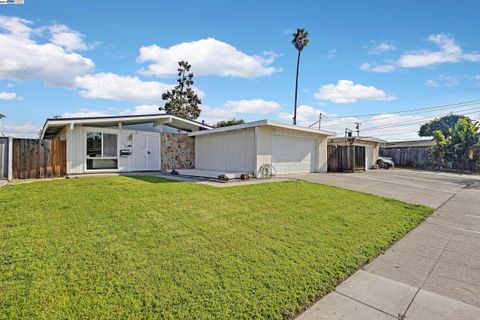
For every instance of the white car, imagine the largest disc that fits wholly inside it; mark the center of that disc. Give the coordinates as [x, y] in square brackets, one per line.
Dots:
[385, 163]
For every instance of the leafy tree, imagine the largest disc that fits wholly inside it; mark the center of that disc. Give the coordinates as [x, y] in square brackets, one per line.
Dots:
[300, 41]
[227, 123]
[182, 101]
[443, 124]
[459, 146]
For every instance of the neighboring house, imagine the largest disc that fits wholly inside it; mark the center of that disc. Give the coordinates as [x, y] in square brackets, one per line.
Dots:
[371, 145]
[165, 142]
[409, 153]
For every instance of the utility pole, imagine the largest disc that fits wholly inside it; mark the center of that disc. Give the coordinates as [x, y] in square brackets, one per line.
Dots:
[357, 127]
[320, 121]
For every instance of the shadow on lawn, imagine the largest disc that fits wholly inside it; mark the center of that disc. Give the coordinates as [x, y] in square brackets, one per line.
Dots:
[151, 179]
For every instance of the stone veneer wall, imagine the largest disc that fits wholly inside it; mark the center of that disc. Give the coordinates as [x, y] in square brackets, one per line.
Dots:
[178, 151]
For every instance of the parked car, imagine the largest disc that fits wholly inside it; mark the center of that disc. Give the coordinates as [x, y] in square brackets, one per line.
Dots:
[385, 163]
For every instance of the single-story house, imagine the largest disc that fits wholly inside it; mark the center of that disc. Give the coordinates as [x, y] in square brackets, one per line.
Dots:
[371, 145]
[165, 142]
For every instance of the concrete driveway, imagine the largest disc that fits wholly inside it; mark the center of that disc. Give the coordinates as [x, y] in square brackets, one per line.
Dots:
[434, 271]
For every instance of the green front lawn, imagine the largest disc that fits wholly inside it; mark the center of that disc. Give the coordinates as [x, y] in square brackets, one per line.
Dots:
[143, 247]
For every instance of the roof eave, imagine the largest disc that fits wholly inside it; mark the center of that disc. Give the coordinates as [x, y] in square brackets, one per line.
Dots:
[260, 123]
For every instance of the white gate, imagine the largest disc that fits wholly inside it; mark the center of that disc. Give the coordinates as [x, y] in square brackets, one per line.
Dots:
[146, 151]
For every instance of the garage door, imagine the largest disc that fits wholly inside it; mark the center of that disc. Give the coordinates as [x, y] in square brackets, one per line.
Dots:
[292, 154]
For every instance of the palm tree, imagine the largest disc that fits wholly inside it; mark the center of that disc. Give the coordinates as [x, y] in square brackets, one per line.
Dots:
[300, 41]
[2, 116]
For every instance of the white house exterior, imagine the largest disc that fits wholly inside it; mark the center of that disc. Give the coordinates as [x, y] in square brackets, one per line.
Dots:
[138, 143]
[115, 144]
[246, 147]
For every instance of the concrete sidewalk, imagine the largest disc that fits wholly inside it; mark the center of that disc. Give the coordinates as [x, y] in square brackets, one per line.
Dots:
[433, 272]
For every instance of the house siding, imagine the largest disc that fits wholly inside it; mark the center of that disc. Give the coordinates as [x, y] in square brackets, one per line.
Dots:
[233, 150]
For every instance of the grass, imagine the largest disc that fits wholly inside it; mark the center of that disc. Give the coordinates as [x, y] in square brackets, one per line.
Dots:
[143, 247]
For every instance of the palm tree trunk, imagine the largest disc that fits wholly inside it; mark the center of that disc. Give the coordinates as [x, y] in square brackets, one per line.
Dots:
[296, 91]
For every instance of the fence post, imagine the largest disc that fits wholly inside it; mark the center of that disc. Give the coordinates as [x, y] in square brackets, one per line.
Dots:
[10, 159]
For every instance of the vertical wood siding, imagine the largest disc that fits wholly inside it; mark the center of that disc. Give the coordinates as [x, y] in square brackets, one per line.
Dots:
[345, 158]
[233, 151]
[38, 158]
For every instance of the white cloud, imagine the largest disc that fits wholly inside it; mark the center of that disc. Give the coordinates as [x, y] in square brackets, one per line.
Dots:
[383, 126]
[443, 81]
[212, 115]
[67, 38]
[84, 113]
[142, 109]
[376, 47]
[306, 115]
[346, 91]
[123, 88]
[207, 57]
[332, 53]
[237, 108]
[392, 126]
[449, 52]
[231, 109]
[377, 68]
[19, 130]
[9, 96]
[16, 27]
[257, 106]
[22, 58]
[473, 57]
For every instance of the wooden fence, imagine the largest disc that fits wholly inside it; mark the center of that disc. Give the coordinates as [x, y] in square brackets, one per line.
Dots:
[3, 158]
[37, 158]
[345, 158]
[409, 157]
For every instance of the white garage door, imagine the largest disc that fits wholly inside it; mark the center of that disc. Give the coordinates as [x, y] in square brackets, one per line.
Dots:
[292, 154]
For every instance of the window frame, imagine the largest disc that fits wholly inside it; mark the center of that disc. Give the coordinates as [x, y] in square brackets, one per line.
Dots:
[87, 157]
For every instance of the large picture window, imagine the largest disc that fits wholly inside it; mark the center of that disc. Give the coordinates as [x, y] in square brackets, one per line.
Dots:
[101, 151]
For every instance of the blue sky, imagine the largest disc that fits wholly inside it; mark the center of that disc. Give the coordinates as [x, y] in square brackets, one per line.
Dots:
[75, 58]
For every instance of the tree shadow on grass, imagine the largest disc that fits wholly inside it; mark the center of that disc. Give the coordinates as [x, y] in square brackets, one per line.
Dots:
[152, 179]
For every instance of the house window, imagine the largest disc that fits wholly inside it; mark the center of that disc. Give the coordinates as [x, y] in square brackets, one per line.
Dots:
[101, 151]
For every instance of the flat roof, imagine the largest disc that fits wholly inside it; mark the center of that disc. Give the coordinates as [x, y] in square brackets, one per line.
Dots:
[54, 125]
[367, 139]
[259, 124]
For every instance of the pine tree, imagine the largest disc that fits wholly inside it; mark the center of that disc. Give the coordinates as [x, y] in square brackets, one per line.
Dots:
[182, 101]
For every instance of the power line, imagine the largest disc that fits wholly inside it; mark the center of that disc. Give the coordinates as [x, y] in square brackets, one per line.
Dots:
[404, 111]
[392, 117]
[400, 124]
